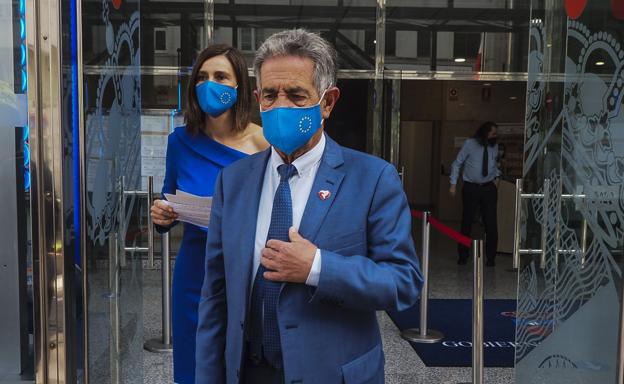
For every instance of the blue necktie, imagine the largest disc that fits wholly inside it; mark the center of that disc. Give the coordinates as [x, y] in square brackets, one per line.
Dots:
[265, 336]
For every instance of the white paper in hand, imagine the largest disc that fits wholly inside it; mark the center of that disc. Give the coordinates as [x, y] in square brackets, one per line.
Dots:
[190, 208]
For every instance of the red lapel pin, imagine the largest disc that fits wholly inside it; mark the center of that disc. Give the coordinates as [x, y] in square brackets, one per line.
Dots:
[324, 194]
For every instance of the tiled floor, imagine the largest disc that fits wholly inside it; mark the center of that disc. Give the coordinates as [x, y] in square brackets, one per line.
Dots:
[447, 280]
[140, 303]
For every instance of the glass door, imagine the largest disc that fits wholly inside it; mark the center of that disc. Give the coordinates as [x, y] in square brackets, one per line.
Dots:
[572, 200]
[112, 166]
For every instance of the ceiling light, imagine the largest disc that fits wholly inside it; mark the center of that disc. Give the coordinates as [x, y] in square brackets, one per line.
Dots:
[600, 63]
[513, 98]
[487, 84]
[460, 60]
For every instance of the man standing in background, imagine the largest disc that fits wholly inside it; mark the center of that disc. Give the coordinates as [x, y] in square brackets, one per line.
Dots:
[478, 156]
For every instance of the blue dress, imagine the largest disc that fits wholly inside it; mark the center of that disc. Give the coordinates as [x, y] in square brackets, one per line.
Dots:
[192, 165]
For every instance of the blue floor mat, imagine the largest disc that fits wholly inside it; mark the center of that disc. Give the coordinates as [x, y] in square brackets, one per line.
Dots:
[453, 317]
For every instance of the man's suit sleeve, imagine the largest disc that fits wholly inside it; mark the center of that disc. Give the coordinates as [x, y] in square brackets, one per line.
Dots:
[212, 313]
[388, 277]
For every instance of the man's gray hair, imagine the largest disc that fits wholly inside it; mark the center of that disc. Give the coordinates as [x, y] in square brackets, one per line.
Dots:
[301, 43]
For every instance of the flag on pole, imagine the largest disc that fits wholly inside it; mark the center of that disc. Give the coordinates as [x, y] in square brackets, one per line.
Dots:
[479, 59]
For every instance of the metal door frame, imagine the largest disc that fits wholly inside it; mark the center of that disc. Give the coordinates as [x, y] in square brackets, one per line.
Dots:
[53, 319]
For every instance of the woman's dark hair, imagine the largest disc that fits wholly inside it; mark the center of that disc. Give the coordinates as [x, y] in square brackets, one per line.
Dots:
[193, 115]
[481, 135]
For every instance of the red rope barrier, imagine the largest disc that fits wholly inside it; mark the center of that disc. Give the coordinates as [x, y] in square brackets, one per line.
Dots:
[444, 229]
[417, 214]
[450, 232]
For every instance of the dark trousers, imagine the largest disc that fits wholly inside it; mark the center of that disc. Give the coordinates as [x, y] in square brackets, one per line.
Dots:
[260, 372]
[482, 197]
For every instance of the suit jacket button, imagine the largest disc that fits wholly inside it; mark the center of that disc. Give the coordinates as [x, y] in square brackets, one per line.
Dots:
[242, 324]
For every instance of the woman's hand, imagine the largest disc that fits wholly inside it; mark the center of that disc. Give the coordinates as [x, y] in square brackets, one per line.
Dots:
[162, 213]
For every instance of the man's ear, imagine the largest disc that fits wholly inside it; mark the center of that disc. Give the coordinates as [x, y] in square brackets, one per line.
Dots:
[329, 101]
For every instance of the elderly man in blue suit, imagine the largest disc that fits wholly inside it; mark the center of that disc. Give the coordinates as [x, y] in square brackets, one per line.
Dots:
[307, 240]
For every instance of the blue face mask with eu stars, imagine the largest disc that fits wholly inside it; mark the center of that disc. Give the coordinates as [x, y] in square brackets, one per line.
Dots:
[215, 98]
[289, 128]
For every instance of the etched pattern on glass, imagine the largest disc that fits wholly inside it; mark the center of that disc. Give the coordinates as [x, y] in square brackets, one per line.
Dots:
[574, 298]
[113, 150]
[113, 128]
[535, 97]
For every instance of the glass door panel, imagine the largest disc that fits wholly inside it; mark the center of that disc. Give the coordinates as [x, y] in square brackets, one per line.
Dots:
[111, 31]
[570, 273]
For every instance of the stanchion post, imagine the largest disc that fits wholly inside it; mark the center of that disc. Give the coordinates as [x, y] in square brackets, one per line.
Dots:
[584, 242]
[477, 313]
[423, 334]
[114, 288]
[164, 344]
[166, 290]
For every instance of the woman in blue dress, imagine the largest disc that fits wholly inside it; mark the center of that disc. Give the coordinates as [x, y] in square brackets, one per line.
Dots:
[218, 132]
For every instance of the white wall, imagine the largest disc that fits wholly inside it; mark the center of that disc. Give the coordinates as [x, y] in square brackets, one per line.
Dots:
[445, 45]
[406, 44]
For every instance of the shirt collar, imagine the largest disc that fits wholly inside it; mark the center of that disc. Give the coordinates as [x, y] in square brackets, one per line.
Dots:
[305, 163]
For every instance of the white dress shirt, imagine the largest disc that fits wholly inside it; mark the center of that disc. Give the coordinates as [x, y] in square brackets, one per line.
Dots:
[300, 186]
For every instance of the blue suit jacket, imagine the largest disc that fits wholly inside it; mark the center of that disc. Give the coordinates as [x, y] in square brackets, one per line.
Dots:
[329, 334]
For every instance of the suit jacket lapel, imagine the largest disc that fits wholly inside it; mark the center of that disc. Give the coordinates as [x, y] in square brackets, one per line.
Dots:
[252, 189]
[328, 179]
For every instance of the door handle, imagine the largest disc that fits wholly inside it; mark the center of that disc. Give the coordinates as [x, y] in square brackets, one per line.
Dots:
[545, 203]
[150, 224]
[517, 221]
[121, 229]
[517, 218]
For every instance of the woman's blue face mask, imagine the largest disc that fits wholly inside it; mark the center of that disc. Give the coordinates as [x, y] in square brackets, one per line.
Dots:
[290, 128]
[215, 98]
